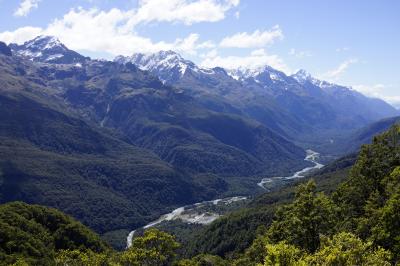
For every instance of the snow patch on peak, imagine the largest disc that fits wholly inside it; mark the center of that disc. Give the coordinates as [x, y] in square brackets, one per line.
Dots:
[44, 43]
[167, 65]
[257, 74]
[302, 75]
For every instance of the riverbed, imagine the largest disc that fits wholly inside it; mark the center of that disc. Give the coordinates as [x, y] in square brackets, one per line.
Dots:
[199, 213]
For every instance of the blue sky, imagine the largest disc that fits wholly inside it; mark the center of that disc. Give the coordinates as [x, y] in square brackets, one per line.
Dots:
[350, 42]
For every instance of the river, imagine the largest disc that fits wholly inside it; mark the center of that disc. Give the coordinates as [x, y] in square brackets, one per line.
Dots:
[311, 157]
[192, 214]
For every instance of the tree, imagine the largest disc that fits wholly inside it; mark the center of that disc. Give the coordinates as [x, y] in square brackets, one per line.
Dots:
[345, 249]
[204, 260]
[386, 225]
[155, 248]
[79, 258]
[283, 254]
[302, 222]
[368, 180]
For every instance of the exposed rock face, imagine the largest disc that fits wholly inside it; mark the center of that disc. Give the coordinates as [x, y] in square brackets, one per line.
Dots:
[4, 49]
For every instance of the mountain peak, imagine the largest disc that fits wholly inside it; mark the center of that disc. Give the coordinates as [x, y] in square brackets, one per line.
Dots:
[166, 53]
[302, 75]
[258, 74]
[44, 42]
[48, 49]
[167, 65]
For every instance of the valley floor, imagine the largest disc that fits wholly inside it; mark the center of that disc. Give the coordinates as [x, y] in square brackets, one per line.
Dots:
[206, 212]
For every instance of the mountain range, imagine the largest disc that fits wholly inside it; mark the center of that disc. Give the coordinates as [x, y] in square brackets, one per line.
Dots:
[299, 107]
[117, 143]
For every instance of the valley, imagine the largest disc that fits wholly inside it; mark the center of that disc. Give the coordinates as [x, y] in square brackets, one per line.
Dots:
[117, 160]
[206, 212]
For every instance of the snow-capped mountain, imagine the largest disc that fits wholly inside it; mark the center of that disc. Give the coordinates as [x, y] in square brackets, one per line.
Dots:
[304, 77]
[47, 49]
[286, 104]
[264, 73]
[169, 66]
[307, 98]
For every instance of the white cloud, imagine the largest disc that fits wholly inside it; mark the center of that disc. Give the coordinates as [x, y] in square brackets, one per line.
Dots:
[114, 32]
[370, 90]
[378, 91]
[187, 45]
[206, 45]
[335, 73]
[299, 54]
[100, 31]
[25, 7]
[393, 100]
[20, 35]
[185, 11]
[253, 40]
[257, 58]
[210, 54]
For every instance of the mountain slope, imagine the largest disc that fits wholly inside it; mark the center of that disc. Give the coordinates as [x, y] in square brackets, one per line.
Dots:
[112, 146]
[48, 49]
[366, 134]
[50, 156]
[299, 107]
[235, 232]
[35, 233]
[160, 118]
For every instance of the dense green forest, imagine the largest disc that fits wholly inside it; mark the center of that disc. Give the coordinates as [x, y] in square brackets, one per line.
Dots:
[355, 224]
[115, 173]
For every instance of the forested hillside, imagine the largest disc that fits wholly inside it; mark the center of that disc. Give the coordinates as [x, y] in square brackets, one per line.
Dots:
[356, 224]
[115, 148]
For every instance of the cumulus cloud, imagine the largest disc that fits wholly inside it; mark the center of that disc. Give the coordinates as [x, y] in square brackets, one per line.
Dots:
[335, 73]
[108, 31]
[20, 35]
[257, 58]
[25, 7]
[114, 31]
[253, 40]
[187, 12]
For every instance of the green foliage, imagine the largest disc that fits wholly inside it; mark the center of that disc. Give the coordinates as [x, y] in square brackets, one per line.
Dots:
[369, 199]
[103, 144]
[203, 260]
[34, 233]
[79, 258]
[233, 233]
[381, 224]
[255, 254]
[154, 248]
[282, 254]
[230, 234]
[346, 249]
[342, 249]
[302, 222]
[367, 178]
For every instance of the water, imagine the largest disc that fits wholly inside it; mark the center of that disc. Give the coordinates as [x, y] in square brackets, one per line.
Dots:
[311, 156]
[192, 215]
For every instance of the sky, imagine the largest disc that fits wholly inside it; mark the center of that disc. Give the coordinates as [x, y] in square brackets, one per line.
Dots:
[349, 42]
